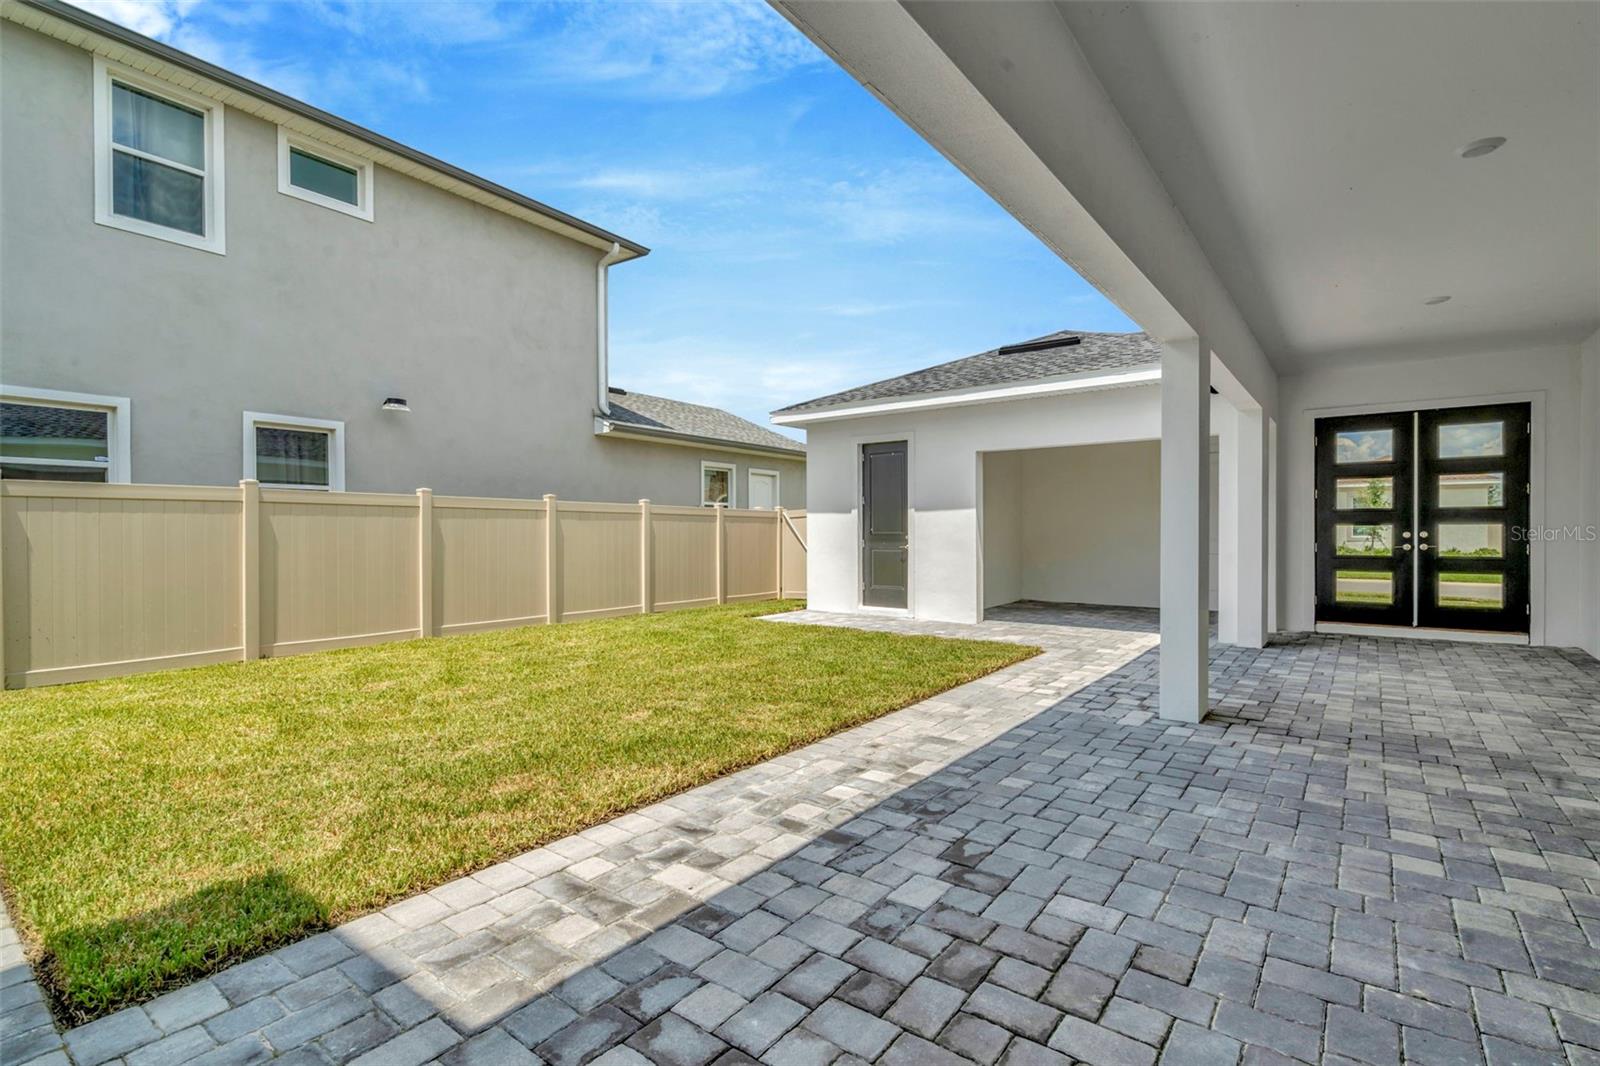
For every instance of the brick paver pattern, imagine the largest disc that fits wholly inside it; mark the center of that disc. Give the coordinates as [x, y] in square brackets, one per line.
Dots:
[1372, 851]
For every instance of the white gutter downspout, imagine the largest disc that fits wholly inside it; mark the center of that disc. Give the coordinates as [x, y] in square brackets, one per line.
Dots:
[602, 335]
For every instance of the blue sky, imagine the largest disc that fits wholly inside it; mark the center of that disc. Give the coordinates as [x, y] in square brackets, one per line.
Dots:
[803, 238]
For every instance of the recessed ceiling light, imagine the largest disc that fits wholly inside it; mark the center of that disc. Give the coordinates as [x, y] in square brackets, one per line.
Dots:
[1434, 300]
[1481, 146]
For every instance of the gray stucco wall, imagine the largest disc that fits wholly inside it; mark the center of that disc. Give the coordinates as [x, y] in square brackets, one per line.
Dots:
[671, 474]
[485, 324]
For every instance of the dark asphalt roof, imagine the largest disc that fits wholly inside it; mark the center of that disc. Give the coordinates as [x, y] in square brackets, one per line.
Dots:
[1053, 355]
[222, 76]
[674, 417]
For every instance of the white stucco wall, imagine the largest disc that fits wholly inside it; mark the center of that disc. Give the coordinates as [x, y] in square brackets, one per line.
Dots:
[1549, 378]
[1590, 406]
[946, 489]
[1078, 525]
[1003, 563]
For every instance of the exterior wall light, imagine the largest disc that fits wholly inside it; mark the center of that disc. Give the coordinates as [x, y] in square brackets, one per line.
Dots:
[396, 403]
[1481, 147]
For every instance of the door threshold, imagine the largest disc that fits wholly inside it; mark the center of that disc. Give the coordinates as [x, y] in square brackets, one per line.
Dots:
[1465, 636]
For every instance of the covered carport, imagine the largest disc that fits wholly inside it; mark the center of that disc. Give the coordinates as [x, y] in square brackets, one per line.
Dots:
[1077, 524]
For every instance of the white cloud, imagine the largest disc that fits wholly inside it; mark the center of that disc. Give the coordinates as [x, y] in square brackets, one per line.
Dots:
[868, 308]
[153, 18]
[286, 76]
[673, 183]
[359, 82]
[676, 49]
[748, 380]
[434, 22]
[910, 202]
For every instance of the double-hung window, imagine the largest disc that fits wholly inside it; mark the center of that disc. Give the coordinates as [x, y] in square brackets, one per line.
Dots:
[47, 435]
[319, 174]
[288, 452]
[158, 159]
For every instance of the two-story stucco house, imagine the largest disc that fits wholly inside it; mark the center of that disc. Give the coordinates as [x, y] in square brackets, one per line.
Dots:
[205, 280]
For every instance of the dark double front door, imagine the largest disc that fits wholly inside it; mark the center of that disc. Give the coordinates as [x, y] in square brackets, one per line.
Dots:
[1422, 518]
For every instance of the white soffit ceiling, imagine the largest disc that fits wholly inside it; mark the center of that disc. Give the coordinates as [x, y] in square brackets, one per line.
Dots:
[1313, 150]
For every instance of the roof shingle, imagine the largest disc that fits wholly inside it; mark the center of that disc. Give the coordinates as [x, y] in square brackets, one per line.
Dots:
[661, 415]
[1077, 352]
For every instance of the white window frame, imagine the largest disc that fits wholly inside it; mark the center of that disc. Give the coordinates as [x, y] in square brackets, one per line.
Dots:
[733, 482]
[215, 237]
[333, 427]
[777, 486]
[119, 470]
[364, 169]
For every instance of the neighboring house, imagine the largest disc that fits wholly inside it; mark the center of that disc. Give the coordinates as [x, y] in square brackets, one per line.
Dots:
[206, 280]
[752, 466]
[1031, 471]
[1363, 260]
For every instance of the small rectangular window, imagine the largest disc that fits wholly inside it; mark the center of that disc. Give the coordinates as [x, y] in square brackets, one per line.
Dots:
[1483, 540]
[297, 457]
[1475, 592]
[47, 435]
[158, 157]
[1352, 539]
[289, 452]
[1472, 440]
[716, 485]
[1472, 490]
[1363, 588]
[308, 172]
[323, 175]
[1363, 493]
[1365, 446]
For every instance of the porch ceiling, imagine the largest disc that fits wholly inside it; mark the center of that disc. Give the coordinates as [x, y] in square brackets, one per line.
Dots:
[1312, 148]
[1281, 179]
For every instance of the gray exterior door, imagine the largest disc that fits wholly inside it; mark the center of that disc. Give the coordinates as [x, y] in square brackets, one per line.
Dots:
[883, 524]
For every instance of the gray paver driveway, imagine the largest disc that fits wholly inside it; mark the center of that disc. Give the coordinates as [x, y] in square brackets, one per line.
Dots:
[1372, 852]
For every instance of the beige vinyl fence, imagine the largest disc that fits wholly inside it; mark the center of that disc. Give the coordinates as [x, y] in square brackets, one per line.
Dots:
[106, 580]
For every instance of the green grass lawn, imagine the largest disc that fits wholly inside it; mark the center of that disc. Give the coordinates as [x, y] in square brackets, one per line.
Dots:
[160, 827]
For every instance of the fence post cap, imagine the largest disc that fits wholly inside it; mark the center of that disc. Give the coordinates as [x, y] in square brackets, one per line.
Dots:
[424, 492]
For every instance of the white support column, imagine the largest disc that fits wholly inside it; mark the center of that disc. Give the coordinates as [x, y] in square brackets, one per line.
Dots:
[1227, 426]
[1185, 529]
[1272, 526]
[1250, 553]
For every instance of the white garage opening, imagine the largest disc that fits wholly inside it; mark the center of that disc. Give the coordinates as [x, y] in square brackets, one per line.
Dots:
[1077, 524]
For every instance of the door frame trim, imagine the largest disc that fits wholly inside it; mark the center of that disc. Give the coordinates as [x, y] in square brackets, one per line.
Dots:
[1537, 399]
[856, 442]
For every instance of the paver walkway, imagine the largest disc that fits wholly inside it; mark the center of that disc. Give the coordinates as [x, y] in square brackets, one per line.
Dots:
[1371, 850]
